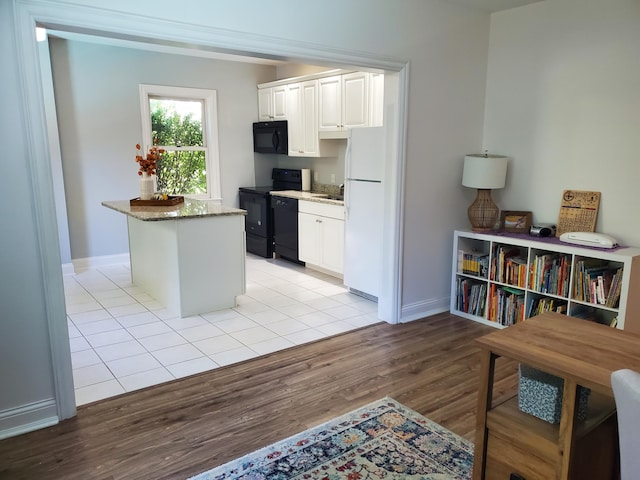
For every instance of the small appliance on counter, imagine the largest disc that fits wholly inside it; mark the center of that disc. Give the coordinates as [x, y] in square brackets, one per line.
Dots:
[257, 201]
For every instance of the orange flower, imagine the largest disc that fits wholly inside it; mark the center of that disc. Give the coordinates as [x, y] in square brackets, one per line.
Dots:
[148, 164]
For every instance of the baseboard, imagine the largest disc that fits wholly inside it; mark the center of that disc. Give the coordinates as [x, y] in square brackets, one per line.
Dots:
[28, 418]
[426, 308]
[81, 264]
[323, 270]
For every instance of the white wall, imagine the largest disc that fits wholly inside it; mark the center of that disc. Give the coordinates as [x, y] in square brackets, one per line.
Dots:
[446, 47]
[26, 376]
[563, 101]
[98, 106]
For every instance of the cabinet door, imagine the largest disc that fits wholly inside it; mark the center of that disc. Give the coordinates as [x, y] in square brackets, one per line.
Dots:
[355, 99]
[294, 118]
[330, 103]
[265, 106]
[309, 238]
[310, 117]
[333, 244]
[376, 96]
[279, 102]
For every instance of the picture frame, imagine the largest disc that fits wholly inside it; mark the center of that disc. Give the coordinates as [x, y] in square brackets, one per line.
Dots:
[515, 221]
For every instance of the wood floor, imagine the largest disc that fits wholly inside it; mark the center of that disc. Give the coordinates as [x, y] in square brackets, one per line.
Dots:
[182, 428]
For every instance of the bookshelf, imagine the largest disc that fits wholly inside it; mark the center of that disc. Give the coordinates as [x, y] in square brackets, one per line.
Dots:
[503, 278]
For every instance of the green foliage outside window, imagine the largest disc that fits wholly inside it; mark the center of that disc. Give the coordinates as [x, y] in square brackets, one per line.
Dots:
[179, 171]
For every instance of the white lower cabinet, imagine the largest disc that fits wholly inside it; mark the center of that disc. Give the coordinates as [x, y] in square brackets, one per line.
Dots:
[321, 235]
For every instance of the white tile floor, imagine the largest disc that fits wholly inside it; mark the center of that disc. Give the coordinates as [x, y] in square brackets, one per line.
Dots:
[122, 339]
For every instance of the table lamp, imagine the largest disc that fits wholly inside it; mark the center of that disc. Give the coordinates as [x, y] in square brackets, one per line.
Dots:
[484, 172]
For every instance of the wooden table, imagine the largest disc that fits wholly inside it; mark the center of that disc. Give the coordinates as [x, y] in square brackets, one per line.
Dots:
[582, 353]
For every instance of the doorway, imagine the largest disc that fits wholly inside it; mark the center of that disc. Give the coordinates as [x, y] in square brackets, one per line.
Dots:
[94, 22]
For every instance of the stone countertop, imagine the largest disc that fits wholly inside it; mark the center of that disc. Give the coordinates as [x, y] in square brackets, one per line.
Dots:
[309, 196]
[191, 208]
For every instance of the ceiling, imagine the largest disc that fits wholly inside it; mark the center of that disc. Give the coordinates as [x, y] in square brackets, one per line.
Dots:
[491, 6]
[488, 6]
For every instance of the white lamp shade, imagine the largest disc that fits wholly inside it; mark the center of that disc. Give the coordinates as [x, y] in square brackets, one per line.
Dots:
[485, 172]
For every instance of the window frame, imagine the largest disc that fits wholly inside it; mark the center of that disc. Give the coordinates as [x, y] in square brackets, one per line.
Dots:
[209, 128]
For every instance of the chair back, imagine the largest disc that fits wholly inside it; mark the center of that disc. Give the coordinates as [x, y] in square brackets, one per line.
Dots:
[626, 391]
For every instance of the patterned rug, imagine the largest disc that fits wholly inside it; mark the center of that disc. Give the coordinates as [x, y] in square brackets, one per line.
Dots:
[382, 440]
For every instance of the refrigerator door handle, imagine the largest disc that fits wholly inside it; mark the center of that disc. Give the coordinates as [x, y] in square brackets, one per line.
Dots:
[347, 158]
[363, 180]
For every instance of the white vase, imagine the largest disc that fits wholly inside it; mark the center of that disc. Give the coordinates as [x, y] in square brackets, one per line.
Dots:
[146, 186]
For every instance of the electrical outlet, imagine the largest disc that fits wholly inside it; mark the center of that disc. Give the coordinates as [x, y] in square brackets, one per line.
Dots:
[315, 176]
[333, 178]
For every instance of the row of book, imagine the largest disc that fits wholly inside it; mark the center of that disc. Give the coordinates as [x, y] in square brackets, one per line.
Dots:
[549, 273]
[508, 266]
[471, 296]
[538, 305]
[596, 282]
[473, 263]
[505, 305]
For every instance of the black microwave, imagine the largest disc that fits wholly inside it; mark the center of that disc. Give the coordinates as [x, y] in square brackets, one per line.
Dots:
[271, 137]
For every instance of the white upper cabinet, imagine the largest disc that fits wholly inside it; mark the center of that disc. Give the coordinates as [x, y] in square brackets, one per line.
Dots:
[294, 107]
[322, 106]
[272, 103]
[310, 118]
[302, 117]
[376, 99]
[265, 104]
[279, 95]
[330, 103]
[344, 102]
[355, 99]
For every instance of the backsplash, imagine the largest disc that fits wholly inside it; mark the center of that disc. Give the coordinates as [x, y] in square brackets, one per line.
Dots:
[328, 188]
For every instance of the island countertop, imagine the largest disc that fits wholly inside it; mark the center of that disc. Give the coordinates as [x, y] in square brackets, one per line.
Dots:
[191, 208]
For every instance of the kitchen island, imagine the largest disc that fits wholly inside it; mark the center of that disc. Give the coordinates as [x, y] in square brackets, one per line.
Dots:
[190, 257]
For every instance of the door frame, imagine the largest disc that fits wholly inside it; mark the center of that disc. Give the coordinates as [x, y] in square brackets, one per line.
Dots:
[102, 22]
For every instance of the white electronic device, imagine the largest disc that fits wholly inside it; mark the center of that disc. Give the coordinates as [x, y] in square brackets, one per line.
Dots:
[589, 239]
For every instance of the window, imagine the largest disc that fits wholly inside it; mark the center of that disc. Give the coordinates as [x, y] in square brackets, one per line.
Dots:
[183, 122]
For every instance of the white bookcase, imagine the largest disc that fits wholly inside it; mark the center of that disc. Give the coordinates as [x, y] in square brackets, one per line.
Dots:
[499, 279]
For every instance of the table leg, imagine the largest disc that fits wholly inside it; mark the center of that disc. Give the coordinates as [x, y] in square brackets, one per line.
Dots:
[485, 394]
[567, 423]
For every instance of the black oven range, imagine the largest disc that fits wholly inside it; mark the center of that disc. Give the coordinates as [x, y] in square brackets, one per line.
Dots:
[259, 221]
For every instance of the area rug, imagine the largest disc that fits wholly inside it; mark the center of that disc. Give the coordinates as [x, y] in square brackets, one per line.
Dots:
[382, 440]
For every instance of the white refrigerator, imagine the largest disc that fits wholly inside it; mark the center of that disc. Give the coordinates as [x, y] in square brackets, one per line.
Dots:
[364, 203]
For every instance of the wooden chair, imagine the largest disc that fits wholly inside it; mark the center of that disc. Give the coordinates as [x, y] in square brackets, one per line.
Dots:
[626, 391]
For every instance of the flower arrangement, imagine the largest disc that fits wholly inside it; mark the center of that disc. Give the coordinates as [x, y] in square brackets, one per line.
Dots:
[148, 164]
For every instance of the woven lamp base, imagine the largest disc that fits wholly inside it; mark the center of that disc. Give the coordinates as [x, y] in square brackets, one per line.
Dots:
[483, 213]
